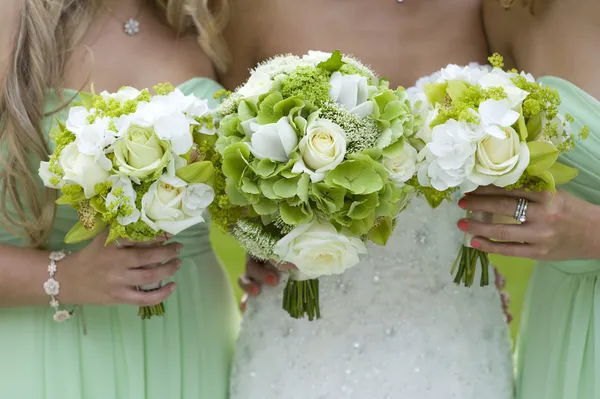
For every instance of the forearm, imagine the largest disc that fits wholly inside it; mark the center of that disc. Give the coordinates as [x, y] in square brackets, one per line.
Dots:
[23, 272]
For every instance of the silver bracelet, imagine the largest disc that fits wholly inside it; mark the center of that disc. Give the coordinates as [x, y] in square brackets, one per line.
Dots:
[52, 287]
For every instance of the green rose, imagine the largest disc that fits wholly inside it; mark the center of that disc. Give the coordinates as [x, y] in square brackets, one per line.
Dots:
[139, 153]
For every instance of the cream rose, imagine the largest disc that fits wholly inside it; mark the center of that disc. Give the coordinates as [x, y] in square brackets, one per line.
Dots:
[322, 148]
[140, 153]
[172, 205]
[500, 162]
[401, 166]
[83, 169]
[317, 249]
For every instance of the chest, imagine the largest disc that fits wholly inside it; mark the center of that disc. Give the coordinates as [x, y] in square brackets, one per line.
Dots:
[110, 58]
[401, 41]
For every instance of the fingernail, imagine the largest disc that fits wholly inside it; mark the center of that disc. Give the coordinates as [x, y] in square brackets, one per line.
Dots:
[475, 244]
[179, 262]
[271, 279]
[462, 203]
[463, 225]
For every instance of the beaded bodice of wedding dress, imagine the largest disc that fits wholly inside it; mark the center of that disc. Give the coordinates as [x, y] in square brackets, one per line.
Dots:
[393, 327]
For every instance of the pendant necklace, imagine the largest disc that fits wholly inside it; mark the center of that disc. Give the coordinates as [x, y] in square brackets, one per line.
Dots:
[131, 27]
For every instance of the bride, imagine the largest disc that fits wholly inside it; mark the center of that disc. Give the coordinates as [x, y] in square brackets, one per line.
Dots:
[394, 326]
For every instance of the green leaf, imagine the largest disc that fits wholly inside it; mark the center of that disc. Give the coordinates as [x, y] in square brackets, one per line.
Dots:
[303, 186]
[266, 187]
[542, 155]
[264, 168]
[247, 110]
[230, 126]
[334, 63]
[523, 134]
[87, 100]
[265, 207]
[234, 195]
[327, 199]
[534, 127]
[98, 204]
[456, 89]
[249, 187]
[70, 200]
[549, 179]
[197, 172]
[79, 233]
[562, 174]
[363, 205]
[286, 106]
[394, 149]
[267, 113]
[435, 92]
[381, 233]
[295, 215]
[286, 188]
[235, 161]
[356, 177]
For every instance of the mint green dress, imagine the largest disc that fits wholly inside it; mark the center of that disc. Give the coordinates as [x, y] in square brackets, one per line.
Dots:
[558, 352]
[185, 355]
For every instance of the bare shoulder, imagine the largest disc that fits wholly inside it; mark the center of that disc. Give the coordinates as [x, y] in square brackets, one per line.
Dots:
[243, 36]
[9, 23]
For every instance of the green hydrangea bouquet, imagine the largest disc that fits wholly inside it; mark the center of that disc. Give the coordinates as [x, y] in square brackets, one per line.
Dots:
[134, 163]
[315, 155]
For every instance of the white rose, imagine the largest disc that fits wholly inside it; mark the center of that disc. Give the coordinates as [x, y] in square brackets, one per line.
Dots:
[83, 169]
[95, 138]
[352, 92]
[274, 141]
[471, 73]
[77, 119]
[122, 194]
[50, 179]
[499, 78]
[316, 57]
[123, 94]
[402, 166]
[495, 116]
[317, 249]
[430, 174]
[451, 145]
[259, 83]
[322, 148]
[500, 162]
[172, 205]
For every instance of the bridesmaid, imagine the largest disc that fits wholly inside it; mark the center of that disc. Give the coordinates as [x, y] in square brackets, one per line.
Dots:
[46, 45]
[558, 354]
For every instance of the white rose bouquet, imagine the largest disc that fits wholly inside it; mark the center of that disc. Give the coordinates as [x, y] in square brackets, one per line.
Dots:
[316, 156]
[134, 163]
[485, 126]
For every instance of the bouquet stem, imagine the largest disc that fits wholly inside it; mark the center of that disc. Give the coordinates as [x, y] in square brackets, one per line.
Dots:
[301, 298]
[465, 265]
[147, 312]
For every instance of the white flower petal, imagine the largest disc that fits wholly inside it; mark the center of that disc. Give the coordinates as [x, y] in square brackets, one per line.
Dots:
[175, 129]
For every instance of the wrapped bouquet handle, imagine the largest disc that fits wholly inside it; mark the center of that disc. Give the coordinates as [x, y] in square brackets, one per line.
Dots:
[301, 296]
[465, 265]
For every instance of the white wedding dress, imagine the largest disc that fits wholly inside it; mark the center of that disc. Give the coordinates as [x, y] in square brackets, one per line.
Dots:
[393, 327]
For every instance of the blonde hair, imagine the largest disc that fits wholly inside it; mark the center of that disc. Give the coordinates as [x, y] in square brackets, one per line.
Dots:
[48, 30]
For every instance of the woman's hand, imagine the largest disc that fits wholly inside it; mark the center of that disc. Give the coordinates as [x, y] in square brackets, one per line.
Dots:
[258, 273]
[110, 275]
[559, 227]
